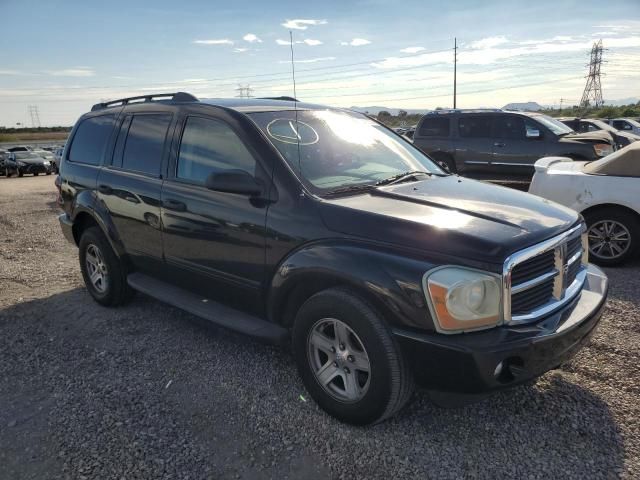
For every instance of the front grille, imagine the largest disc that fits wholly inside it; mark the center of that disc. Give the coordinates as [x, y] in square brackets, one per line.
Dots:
[543, 277]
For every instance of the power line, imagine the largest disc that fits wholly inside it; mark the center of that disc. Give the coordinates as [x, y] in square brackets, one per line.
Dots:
[593, 89]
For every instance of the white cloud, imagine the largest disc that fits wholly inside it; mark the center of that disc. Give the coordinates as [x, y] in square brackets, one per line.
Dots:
[412, 49]
[302, 24]
[311, 42]
[10, 72]
[489, 42]
[240, 49]
[356, 42]
[72, 72]
[222, 41]
[283, 42]
[307, 41]
[251, 38]
[310, 60]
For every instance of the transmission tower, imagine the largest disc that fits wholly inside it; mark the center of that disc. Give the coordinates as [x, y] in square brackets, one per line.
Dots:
[35, 116]
[244, 91]
[593, 89]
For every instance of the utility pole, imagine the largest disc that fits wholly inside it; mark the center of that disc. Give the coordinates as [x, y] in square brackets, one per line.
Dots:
[35, 117]
[561, 102]
[593, 89]
[244, 91]
[455, 67]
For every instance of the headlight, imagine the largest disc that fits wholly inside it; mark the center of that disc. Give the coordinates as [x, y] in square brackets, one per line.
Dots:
[46, 163]
[462, 299]
[603, 149]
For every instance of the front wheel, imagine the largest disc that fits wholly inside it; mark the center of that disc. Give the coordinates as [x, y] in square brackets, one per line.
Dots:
[103, 273]
[614, 236]
[348, 359]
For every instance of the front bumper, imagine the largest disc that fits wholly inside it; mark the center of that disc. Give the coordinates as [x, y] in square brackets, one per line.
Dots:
[506, 356]
[35, 168]
[67, 227]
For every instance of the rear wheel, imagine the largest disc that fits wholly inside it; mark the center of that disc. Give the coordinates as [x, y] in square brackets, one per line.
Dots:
[348, 360]
[444, 161]
[20, 174]
[35, 174]
[614, 236]
[104, 274]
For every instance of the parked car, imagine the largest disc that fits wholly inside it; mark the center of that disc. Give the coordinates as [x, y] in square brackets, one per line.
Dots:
[584, 125]
[3, 156]
[605, 192]
[57, 156]
[19, 163]
[301, 223]
[47, 155]
[20, 148]
[478, 142]
[625, 125]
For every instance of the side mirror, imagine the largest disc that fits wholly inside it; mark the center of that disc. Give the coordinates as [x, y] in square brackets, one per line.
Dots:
[234, 181]
[533, 133]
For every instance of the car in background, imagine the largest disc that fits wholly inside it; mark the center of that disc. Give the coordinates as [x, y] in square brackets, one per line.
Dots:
[20, 148]
[57, 156]
[21, 163]
[3, 156]
[607, 194]
[499, 142]
[47, 155]
[625, 125]
[584, 125]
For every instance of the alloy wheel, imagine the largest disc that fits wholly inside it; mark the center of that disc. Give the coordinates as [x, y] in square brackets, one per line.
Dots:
[96, 268]
[338, 360]
[609, 239]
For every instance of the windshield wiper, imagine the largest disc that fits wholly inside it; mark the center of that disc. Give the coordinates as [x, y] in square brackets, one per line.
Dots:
[362, 187]
[401, 177]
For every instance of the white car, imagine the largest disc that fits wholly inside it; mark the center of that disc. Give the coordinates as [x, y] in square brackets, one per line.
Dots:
[606, 192]
[625, 125]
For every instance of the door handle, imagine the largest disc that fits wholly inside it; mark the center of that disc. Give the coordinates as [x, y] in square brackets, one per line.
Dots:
[176, 205]
[498, 144]
[106, 189]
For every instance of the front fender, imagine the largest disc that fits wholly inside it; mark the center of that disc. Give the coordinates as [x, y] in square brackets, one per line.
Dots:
[392, 282]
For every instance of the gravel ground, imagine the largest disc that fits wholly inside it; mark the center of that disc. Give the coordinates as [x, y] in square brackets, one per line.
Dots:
[147, 391]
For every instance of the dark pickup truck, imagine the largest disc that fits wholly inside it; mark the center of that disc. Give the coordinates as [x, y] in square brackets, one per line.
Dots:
[319, 227]
[490, 142]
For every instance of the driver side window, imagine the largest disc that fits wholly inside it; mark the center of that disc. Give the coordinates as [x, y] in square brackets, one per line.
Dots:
[211, 146]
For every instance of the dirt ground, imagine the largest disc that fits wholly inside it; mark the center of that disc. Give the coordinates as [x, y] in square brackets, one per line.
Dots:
[147, 391]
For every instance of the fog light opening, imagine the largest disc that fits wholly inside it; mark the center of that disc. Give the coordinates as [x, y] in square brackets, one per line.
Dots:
[508, 369]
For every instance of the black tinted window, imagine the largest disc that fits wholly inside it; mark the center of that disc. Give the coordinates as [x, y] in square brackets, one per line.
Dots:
[144, 144]
[90, 140]
[210, 146]
[509, 126]
[435, 127]
[474, 126]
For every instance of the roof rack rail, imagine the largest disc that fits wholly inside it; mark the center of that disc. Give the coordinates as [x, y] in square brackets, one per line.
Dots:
[285, 99]
[464, 110]
[174, 97]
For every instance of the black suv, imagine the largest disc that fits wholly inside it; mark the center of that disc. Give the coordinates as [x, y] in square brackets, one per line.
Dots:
[481, 142]
[300, 223]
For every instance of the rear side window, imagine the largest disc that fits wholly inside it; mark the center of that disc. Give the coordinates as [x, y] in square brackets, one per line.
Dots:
[620, 124]
[144, 144]
[474, 126]
[434, 127]
[90, 139]
[211, 146]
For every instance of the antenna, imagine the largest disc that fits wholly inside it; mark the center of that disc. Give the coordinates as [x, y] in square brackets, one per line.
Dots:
[455, 68]
[295, 103]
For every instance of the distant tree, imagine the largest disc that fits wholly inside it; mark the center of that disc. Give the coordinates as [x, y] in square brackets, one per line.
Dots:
[439, 108]
[383, 114]
[402, 114]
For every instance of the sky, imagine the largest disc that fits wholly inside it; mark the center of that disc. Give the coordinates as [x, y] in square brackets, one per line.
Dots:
[64, 56]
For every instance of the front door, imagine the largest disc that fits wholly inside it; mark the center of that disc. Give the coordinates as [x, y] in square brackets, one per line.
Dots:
[214, 242]
[519, 143]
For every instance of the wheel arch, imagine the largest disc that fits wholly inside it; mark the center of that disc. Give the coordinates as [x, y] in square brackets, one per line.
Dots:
[606, 206]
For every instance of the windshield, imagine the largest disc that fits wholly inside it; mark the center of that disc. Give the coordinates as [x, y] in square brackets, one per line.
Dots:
[340, 149]
[25, 155]
[554, 125]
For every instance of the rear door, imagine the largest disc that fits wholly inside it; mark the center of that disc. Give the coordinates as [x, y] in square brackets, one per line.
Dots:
[129, 187]
[214, 242]
[474, 144]
[519, 143]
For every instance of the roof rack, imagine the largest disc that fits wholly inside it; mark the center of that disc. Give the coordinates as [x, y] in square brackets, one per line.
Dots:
[174, 97]
[285, 99]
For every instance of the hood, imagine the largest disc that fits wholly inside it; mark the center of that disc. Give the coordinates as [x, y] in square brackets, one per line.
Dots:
[450, 216]
[32, 160]
[591, 137]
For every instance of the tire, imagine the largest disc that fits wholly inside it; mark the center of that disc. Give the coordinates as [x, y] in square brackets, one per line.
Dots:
[622, 225]
[20, 174]
[35, 174]
[113, 290]
[382, 392]
[49, 172]
[444, 161]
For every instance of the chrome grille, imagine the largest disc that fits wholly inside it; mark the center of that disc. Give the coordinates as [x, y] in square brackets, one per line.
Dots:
[542, 278]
